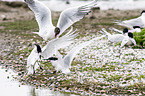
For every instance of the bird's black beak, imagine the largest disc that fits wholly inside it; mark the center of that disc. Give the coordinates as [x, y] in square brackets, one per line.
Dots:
[52, 58]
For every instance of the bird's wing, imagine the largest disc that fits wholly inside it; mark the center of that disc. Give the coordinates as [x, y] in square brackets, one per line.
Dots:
[72, 15]
[124, 41]
[132, 22]
[69, 57]
[58, 43]
[42, 14]
[106, 33]
[133, 41]
[31, 60]
[116, 30]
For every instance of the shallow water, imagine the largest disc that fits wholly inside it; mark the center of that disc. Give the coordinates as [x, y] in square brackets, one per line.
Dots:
[11, 87]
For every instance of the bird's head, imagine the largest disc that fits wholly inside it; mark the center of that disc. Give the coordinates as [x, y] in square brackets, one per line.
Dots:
[142, 12]
[57, 31]
[125, 30]
[38, 48]
[130, 35]
[134, 27]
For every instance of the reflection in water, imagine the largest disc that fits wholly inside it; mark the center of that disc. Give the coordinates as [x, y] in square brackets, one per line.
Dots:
[11, 87]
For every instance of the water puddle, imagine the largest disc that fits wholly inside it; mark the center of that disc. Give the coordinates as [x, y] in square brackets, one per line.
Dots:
[11, 87]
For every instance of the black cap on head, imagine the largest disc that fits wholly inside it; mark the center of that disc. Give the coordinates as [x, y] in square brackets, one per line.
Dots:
[57, 31]
[130, 34]
[143, 12]
[125, 30]
[38, 48]
[67, 2]
[136, 27]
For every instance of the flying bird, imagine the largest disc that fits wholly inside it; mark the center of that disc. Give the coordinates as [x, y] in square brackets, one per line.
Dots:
[139, 21]
[117, 38]
[68, 17]
[49, 50]
[64, 63]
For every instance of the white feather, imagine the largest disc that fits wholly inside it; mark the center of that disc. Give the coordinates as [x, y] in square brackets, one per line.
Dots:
[139, 21]
[50, 48]
[63, 64]
[74, 14]
[66, 19]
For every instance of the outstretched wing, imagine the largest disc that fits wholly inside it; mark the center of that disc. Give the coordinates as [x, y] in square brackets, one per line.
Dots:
[69, 57]
[42, 14]
[116, 30]
[132, 22]
[72, 15]
[58, 43]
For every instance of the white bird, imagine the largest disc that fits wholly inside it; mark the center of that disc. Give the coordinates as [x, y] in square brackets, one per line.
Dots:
[139, 21]
[117, 38]
[68, 17]
[64, 63]
[48, 50]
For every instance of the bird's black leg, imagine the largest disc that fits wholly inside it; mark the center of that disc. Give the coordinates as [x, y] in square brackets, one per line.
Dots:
[34, 69]
[40, 65]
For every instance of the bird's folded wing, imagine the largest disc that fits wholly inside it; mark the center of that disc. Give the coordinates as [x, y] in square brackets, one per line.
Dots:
[69, 57]
[72, 15]
[42, 13]
[58, 43]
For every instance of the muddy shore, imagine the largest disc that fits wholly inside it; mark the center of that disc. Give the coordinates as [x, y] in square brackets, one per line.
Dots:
[17, 22]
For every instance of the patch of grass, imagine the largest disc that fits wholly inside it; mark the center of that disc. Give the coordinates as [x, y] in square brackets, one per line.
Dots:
[140, 37]
[20, 25]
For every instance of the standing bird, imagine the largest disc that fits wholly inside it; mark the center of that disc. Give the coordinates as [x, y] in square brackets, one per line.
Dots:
[117, 38]
[139, 21]
[48, 50]
[64, 63]
[67, 18]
